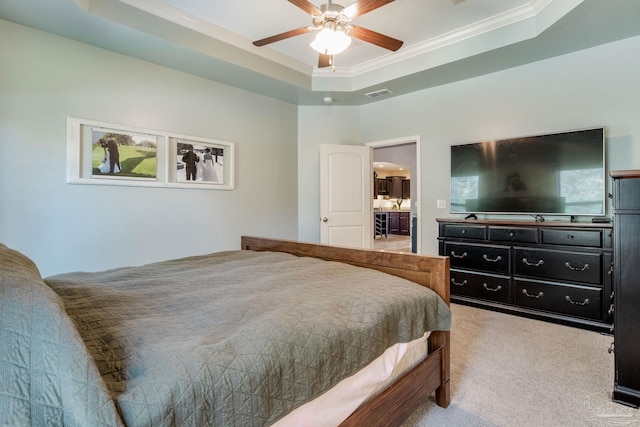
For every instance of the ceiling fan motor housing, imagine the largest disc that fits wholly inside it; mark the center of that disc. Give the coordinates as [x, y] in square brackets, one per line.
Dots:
[332, 17]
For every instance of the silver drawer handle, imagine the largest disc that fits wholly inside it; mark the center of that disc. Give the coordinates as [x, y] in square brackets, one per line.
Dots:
[585, 302]
[533, 264]
[464, 282]
[453, 254]
[496, 289]
[524, 291]
[569, 266]
[496, 259]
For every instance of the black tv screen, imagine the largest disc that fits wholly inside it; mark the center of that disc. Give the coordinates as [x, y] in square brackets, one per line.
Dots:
[556, 174]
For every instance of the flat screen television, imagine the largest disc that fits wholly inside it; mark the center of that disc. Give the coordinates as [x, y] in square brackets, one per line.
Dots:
[556, 174]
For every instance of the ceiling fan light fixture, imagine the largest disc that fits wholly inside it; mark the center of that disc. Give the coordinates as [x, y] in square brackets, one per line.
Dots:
[330, 41]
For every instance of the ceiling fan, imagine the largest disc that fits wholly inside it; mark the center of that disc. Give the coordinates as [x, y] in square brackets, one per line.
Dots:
[334, 23]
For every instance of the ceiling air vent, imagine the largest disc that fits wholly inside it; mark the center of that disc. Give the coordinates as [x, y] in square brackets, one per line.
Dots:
[378, 93]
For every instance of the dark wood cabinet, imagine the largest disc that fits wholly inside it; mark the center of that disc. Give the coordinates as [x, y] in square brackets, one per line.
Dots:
[396, 187]
[406, 188]
[626, 286]
[399, 223]
[554, 271]
[395, 191]
[382, 186]
[394, 222]
[405, 223]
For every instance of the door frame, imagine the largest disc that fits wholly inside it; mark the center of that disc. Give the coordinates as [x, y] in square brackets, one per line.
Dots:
[415, 198]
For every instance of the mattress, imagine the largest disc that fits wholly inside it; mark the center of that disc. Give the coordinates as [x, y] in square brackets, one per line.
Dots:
[336, 404]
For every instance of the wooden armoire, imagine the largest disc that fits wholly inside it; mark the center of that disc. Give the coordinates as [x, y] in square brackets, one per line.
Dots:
[626, 286]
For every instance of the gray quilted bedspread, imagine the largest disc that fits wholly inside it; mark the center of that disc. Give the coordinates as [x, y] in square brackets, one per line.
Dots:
[229, 339]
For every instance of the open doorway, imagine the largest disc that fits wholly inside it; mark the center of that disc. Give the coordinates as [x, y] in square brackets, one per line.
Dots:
[396, 180]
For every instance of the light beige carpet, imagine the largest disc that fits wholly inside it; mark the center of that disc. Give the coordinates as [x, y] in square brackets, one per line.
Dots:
[512, 371]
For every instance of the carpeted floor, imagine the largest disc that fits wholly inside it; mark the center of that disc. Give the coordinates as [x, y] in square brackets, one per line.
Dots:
[512, 371]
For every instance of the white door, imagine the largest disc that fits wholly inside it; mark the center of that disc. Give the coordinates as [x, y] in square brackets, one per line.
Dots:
[346, 196]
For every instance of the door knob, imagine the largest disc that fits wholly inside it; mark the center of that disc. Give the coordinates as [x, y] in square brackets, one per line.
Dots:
[325, 219]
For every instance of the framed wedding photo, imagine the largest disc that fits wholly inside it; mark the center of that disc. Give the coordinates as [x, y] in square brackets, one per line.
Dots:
[117, 153]
[201, 162]
[110, 154]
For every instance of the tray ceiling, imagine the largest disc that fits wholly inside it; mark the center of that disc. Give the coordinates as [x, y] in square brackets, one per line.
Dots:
[444, 40]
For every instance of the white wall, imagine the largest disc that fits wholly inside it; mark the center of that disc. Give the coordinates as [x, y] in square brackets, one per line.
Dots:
[594, 87]
[316, 126]
[66, 227]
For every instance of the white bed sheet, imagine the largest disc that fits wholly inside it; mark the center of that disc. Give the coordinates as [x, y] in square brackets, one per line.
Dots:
[335, 405]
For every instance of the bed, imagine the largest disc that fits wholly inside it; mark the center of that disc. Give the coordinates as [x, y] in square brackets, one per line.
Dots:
[248, 337]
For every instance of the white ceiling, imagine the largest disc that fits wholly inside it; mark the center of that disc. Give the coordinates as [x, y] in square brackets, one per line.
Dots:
[412, 21]
[444, 40]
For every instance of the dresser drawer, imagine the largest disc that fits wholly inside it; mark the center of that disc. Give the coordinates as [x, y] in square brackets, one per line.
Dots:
[514, 234]
[494, 259]
[484, 286]
[465, 231]
[573, 300]
[558, 265]
[590, 238]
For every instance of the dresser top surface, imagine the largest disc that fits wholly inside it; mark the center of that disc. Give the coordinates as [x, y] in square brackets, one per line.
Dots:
[523, 223]
[625, 174]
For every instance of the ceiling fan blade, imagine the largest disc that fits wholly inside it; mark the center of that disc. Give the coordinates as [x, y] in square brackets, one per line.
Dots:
[324, 61]
[375, 38]
[282, 36]
[363, 6]
[307, 7]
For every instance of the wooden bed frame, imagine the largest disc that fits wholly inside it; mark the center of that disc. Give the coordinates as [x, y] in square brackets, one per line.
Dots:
[394, 405]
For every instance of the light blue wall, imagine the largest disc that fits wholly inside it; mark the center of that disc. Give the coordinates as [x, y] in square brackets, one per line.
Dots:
[65, 227]
[594, 87]
[319, 125]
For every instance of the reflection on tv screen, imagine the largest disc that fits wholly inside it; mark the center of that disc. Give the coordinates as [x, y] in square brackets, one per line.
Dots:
[560, 173]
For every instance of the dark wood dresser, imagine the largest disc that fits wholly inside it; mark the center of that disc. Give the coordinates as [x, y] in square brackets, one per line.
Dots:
[626, 282]
[554, 271]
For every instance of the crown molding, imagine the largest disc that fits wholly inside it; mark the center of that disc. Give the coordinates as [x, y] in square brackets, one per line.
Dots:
[184, 19]
[508, 18]
[177, 16]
